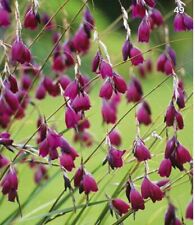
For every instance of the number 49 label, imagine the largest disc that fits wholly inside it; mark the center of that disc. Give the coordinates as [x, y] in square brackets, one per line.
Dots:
[179, 9]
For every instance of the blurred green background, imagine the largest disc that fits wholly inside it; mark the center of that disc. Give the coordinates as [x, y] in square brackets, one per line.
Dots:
[105, 12]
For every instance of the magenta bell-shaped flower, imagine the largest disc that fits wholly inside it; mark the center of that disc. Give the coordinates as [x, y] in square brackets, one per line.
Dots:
[144, 30]
[10, 185]
[151, 3]
[170, 147]
[67, 162]
[40, 174]
[71, 118]
[126, 49]
[120, 84]
[115, 138]
[170, 216]
[5, 139]
[182, 154]
[114, 158]
[59, 63]
[165, 168]
[89, 184]
[72, 90]
[138, 10]
[156, 17]
[140, 151]
[134, 91]
[40, 91]
[81, 103]
[136, 199]
[4, 18]
[136, 56]
[3, 161]
[64, 81]
[105, 69]
[120, 206]
[20, 53]
[182, 22]
[106, 90]
[189, 211]
[151, 190]
[11, 99]
[108, 113]
[31, 20]
[96, 61]
[170, 115]
[143, 113]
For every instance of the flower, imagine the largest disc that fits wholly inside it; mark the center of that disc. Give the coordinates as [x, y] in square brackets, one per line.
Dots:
[143, 113]
[31, 20]
[189, 211]
[71, 118]
[67, 161]
[140, 151]
[105, 69]
[3, 161]
[4, 18]
[126, 49]
[165, 168]
[151, 190]
[108, 113]
[114, 158]
[115, 138]
[96, 62]
[136, 56]
[120, 84]
[136, 199]
[182, 22]
[120, 206]
[106, 90]
[144, 30]
[134, 91]
[89, 184]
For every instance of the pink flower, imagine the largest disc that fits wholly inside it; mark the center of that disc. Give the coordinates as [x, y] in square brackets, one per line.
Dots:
[144, 30]
[126, 49]
[108, 113]
[5, 139]
[81, 103]
[10, 185]
[115, 138]
[105, 69]
[140, 151]
[40, 174]
[170, 215]
[114, 158]
[67, 161]
[89, 184]
[3, 161]
[64, 81]
[156, 17]
[106, 90]
[170, 115]
[20, 52]
[189, 211]
[151, 190]
[182, 22]
[136, 199]
[71, 90]
[165, 168]
[134, 91]
[41, 91]
[143, 113]
[136, 56]
[96, 62]
[138, 10]
[119, 83]
[59, 63]
[4, 18]
[11, 99]
[78, 176]
[182, 154]
[71, 118]
[31, 20]
[120, 206]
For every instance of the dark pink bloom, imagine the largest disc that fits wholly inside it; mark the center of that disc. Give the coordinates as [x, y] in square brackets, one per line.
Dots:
[178, 222]
[20, 52]
[67, 161]
[71, 90]
[170, 115]
[170, 215]
[189, 211]
[81, 103]
[144, 30]
[180, 98]
[134, 91]
[26, 82]
[31, 20]
[53, 139]
[81, 41]
[64, 81]
[3, 161]
[138, 11]
[172, 55]
[161, 62]
[11, 99]
[4, 18]
[10, 185]
[156, 17]
[140, 151]
[66, 148]
[41, 91]
[151, 190]
[71, 118]
[165, 168]
[182, 22]
[115, 138]
[47, 22]
[143, 113]
[120, 84]
[136, 199]
[120, 206]
[170, 147]
[179, 120]
[88, 21]
[5, 139]
[96, 62]
[150, 3]
[108, 113]
[106, 90]
[59, 63]
[136, 56]
[13, 86]
[78, 176]
[182, 154]
[105, 69]
[89, 184]
[126, 49]
[114, 158]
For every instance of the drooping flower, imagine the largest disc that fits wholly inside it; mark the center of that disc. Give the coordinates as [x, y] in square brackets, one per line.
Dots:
[67, 161]
[106, 90]
[96, 61]
[134, 91]
[143, 113]
[120, 206]
[108, 113]
[114, 158]
[144, 30]
[31, 20]
[3, 161]
[89, 184]
[126, 49]
[115, 138]
[71, 118]
[4, 18]
[140, 151]
[165, 168]
[182, 22]
[120, 84]
[105, 69]
[40, 174]
[189, 211]
[136, 199]
[136, 56]
[151, 190]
